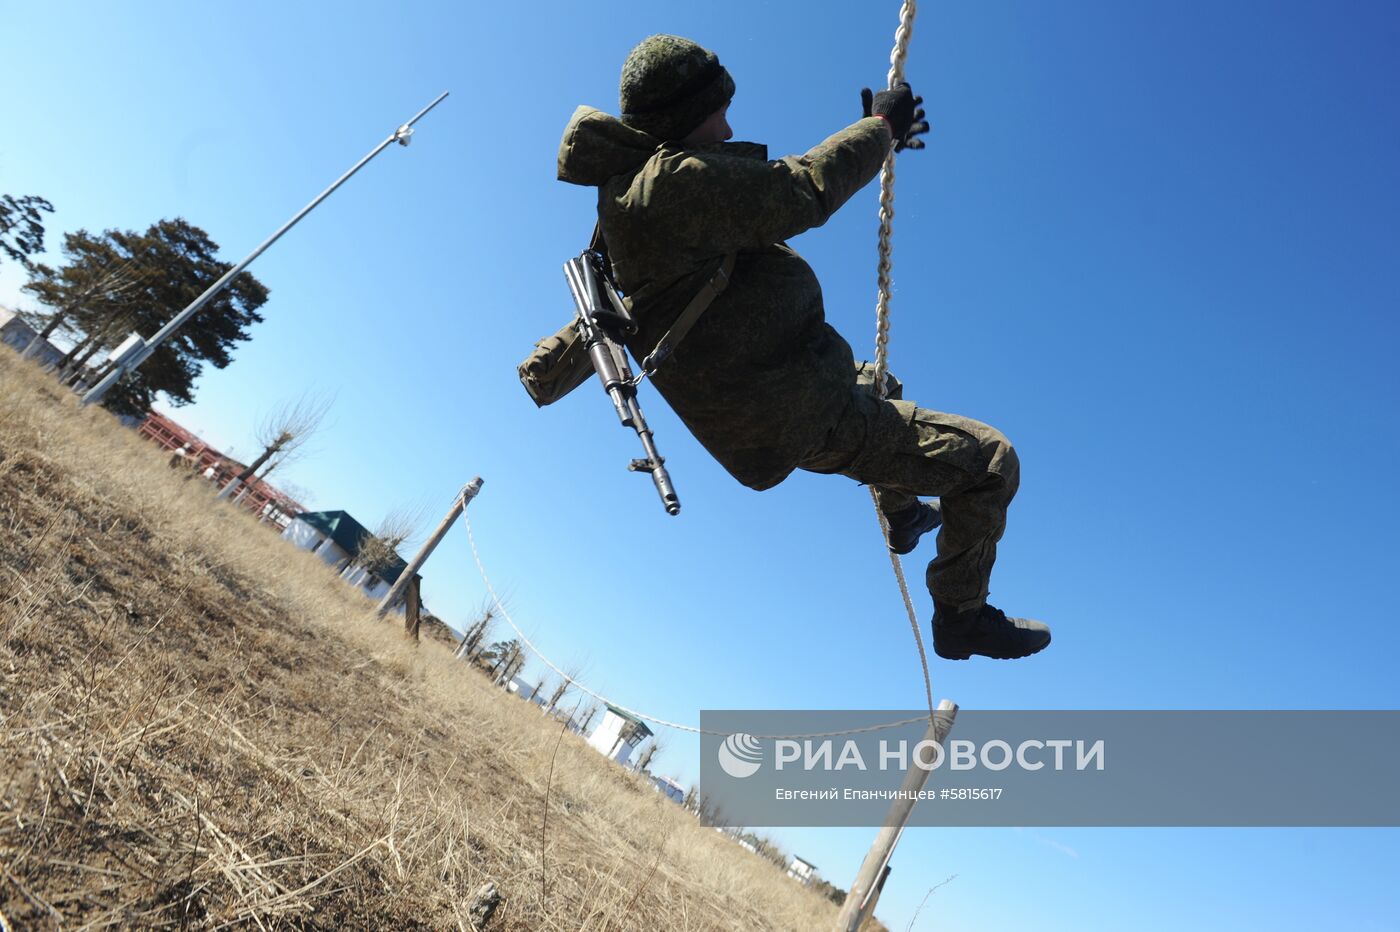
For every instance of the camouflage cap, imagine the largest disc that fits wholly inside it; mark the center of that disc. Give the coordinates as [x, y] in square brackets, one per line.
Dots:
[670, 86]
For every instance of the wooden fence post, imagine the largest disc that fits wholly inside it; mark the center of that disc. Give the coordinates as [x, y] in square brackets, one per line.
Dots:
[867, 915]
[412, 618]
[469, 492]
[860, 901]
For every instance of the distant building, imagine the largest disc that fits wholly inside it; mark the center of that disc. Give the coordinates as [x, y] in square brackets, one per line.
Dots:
[336, 537]
[259, 497]
[802, 871]
[16, 334]
[618, 734]
[669, 788]
[524, 689]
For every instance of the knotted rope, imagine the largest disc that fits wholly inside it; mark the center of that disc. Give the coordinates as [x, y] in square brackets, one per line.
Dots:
[902, 35]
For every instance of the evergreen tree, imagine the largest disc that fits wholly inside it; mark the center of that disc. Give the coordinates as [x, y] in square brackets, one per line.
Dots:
[22, 226]
[96, 281]
[160, 272]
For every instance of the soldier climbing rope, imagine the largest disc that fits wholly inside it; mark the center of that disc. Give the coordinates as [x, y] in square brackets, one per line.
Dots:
[605, 320]
[765, 383]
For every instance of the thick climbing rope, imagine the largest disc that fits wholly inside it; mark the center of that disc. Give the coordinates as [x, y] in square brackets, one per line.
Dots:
[902, 35]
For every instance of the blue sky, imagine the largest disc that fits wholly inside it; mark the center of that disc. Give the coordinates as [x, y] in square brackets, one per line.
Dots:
[1154, 243]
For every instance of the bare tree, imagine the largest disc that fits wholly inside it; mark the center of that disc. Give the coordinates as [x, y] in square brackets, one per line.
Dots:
[587, 718]
[373, 555]
[400, 525]
[506, 659]
[644, 761]
[248, 486]
[499, 655]
[281, 434]
[514, 667]
[476, 632]
[379, 549]
[570, 675]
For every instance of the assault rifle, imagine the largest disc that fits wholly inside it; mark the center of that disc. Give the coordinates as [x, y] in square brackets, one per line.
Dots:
[602, 321]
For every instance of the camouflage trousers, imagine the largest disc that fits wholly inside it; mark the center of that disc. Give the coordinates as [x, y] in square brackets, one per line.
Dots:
[905, 451]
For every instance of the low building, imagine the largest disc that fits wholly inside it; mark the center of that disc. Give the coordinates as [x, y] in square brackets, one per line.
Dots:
[524, 689]
[618, 734]
[802, 871]
[336, 538]
[18, 335]
[669, 788]
[261, 498]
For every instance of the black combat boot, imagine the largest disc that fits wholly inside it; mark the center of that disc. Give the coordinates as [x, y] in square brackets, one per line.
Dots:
[909, 524]
[986, 631]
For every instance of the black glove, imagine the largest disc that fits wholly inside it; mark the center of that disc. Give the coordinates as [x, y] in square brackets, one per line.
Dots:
[901, 108]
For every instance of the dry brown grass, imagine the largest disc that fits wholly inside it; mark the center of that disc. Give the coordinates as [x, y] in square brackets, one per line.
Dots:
[201, 727]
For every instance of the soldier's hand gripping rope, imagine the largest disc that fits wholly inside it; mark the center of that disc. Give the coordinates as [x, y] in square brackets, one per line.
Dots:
[602, 321]
[901, 110]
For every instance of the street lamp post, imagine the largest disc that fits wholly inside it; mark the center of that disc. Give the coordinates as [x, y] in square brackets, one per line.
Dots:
[136, 355]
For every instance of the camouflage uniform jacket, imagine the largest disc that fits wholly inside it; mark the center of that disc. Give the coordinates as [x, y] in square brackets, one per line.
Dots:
[762, 378]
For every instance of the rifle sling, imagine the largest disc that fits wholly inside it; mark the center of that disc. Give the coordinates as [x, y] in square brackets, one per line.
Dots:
[712, 289]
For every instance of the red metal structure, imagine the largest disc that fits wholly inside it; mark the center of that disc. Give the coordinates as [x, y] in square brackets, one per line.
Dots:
[259, 497]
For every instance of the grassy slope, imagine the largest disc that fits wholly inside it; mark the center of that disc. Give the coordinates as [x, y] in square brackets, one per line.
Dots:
[201, 726]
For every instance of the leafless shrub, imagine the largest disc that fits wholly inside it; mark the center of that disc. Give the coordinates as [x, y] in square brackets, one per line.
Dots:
[931, 890]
